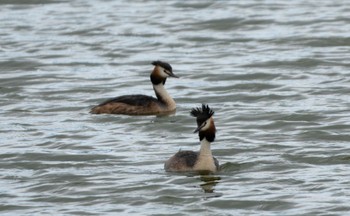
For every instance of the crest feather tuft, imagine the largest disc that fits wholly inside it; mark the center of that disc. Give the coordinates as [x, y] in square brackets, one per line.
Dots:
[202, 113]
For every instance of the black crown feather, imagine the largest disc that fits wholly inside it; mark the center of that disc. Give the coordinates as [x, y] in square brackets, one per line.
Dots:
[164, 65]
[202, 114]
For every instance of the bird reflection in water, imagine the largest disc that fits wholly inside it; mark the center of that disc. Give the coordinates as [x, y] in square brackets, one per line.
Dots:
[208, 183]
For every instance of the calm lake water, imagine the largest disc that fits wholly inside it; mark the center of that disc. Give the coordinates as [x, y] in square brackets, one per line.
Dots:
[277, 74]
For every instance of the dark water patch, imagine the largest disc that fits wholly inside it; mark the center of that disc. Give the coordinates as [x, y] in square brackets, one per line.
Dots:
[265, 97]
[89, 32]
[82, 63]
[141, 35]
[332, 127]
[62, 158]
[302, 117]
[30, 2]
[199, 39]
[330, 41]
[334, 90]
[77, 212]
[310, 22]
[52, 56]
[256, 117]
[192, 5]
[52, 164]
[23, 28]
[67, 199]
[299, 63]
[323, 135]
[335, 81]
[254, 86]
[343, 209]
[12, 208]
[11, 92]
[224, 24]
[264, 205]
[254, 76]
[246, 87]
[115, 55]
[308, 158]
[24, 65]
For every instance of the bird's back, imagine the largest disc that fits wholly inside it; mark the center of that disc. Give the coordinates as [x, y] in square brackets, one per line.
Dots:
[128, 104]
[181, 161]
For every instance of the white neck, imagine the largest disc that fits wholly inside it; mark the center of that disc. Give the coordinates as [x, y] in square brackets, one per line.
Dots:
[205, 159]
[164, 96]
[205, 149]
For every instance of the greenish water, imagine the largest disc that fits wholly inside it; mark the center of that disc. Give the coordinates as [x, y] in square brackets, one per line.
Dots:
[275, 72]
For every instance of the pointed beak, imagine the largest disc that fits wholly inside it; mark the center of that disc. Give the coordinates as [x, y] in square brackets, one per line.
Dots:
[198, 128]
[173, 75]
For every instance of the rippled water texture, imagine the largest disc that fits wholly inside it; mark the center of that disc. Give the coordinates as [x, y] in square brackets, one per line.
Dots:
[275, 72]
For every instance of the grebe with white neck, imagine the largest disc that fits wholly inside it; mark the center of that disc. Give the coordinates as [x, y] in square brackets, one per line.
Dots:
[184, 161]
[143, 104]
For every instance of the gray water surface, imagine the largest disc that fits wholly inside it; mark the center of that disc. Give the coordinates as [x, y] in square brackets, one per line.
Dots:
[275, 72]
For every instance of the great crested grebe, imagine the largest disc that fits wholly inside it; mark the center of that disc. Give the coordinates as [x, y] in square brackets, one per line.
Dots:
[202, 160]
[143, 104]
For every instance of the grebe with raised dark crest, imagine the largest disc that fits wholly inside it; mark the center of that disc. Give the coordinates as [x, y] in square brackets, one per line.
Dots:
[202, 160]
[143, 104]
